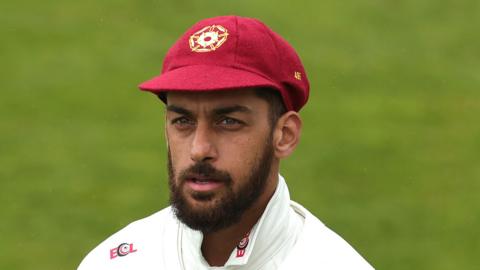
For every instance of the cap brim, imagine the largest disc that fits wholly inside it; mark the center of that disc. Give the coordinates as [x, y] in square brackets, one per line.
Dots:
[205, 78]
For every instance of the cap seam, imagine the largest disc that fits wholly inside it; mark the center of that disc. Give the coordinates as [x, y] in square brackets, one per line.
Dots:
[236, 41]
[279, 62]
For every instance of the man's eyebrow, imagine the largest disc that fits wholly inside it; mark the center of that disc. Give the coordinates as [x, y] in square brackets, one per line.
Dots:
[231, 109]
[216, 111]
[179, 110]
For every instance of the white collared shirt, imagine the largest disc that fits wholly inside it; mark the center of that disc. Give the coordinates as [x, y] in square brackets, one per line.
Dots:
[269, 241]
[286, 236]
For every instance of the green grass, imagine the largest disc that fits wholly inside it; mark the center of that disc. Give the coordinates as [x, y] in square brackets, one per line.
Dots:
[390, 152]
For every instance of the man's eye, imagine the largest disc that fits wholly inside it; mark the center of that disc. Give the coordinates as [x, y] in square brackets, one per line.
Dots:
[182, 121]
[229, 122]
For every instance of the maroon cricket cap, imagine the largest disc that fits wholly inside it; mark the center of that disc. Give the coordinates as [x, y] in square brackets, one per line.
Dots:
[231, 52]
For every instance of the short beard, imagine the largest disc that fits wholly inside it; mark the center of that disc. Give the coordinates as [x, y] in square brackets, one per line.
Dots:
[229, 208]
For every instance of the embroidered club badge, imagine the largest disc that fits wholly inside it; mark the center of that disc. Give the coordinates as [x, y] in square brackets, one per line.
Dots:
[208, 38]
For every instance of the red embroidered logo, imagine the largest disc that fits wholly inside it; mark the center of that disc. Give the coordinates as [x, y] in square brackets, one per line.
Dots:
[243, 245]
[122, 250]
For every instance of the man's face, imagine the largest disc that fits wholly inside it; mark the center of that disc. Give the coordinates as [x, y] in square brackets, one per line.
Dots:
[220, 154]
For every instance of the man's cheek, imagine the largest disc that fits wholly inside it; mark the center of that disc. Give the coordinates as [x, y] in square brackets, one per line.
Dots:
[180, 156]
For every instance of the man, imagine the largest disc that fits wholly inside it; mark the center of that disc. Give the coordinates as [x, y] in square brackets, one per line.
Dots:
[232, 89]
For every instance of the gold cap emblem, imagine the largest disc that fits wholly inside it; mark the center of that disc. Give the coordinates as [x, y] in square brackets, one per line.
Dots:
[298, 75]
[208, 38]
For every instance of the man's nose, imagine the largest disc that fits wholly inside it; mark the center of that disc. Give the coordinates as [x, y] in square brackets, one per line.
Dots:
[203, 146]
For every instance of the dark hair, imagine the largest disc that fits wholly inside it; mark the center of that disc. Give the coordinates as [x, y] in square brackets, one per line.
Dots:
[274, 99]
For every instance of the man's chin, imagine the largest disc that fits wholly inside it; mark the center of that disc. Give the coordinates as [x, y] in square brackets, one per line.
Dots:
[203, 197]
[199, 215]
[202, 202]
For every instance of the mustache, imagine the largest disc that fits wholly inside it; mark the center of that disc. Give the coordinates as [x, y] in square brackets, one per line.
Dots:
[205, 170]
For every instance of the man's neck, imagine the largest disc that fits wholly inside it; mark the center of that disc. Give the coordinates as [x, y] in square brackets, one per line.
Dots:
[217, 246]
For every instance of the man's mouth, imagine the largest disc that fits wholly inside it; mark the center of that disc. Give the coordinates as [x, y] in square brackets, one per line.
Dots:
[203, 184]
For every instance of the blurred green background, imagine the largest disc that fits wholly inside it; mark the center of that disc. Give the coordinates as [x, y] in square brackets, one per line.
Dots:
[390, 153]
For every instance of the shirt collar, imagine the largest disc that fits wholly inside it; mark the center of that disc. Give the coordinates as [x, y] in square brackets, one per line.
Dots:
[264, 240]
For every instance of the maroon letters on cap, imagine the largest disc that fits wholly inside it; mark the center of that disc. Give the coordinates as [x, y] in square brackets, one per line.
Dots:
[232, 52]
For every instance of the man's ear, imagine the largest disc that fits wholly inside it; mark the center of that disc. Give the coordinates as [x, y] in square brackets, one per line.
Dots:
[287, 134]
